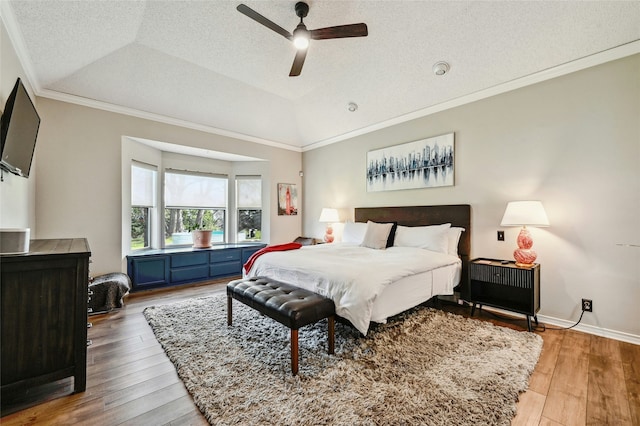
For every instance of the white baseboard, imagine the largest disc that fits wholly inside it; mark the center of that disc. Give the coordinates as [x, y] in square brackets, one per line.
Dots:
[585, 328]
[590, 329]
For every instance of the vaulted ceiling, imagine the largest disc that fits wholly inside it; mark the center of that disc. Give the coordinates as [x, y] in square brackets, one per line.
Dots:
[206, 64]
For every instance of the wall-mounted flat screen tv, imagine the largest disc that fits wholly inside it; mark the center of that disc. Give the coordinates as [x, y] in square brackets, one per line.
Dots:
[18, 132]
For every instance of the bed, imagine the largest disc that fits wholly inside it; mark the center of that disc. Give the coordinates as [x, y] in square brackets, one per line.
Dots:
[369, 285]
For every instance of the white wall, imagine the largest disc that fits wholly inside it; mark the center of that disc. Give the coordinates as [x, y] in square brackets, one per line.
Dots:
[80, 184]
[17, 194]
[572, 142]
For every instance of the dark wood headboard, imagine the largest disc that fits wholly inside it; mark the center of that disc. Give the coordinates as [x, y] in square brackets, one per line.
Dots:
[457, 215]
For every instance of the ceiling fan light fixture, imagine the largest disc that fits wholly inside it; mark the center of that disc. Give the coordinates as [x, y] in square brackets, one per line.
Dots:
[301, 37]
[441, 68]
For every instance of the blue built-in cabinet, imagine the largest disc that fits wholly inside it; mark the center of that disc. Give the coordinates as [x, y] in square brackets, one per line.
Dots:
[162, 268]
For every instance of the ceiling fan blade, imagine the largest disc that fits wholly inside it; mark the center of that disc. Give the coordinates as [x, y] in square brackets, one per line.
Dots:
[340, 31]
[246, 10]
[296, 68]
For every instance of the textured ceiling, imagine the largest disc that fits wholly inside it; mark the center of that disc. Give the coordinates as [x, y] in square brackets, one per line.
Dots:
[205, 63]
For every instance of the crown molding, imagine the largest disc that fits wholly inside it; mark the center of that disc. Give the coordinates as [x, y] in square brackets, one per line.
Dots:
[105, 106]
[612, 54]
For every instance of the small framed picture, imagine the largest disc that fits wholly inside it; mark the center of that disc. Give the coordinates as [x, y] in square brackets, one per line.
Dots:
[287, 199]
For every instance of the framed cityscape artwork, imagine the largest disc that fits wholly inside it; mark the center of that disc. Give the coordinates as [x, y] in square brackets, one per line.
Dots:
[426, 163]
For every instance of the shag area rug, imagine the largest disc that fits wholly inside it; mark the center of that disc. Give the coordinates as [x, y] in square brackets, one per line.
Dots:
[424, 367]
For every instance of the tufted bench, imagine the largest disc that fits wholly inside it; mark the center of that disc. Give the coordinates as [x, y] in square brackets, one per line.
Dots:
[291, 306]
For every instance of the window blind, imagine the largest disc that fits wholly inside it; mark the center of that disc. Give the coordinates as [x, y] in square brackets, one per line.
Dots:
[249, 192]
[194, 190]
[143, 184]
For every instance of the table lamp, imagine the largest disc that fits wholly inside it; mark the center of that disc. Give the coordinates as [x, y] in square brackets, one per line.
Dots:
[329, 216]
[523, 213]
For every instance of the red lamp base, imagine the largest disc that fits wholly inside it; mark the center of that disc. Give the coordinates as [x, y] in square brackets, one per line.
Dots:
[524, 254]
[524, 257]
[328, 236]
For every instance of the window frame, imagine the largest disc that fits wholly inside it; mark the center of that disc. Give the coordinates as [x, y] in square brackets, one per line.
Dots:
[149, 206]
[213, 208]
[239, 208]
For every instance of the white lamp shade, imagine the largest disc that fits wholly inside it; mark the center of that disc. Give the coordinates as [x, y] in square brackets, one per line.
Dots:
[329, 216]
[520, 213]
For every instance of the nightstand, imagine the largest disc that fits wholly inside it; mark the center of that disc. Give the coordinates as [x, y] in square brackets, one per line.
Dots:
[504, 285]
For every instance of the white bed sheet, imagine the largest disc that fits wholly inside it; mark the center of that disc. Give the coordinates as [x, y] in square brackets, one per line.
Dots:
[355, 277]
[411, 291]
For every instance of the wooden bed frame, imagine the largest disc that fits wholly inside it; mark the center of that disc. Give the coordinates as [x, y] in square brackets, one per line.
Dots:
[458, 215]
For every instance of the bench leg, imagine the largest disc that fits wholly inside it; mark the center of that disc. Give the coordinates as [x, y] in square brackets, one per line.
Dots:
[229, 316]
[294, 351]
[332, 333]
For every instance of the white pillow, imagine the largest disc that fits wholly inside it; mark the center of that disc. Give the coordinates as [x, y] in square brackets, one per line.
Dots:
[433, 237]
[353, 232]
[454, 238]
[376, 235]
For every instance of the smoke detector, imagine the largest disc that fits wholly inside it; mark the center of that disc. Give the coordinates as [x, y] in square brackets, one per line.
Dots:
[352, 107]
[441, 68]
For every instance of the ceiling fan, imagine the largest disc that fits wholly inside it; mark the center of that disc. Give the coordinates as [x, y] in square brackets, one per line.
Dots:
[301, 35]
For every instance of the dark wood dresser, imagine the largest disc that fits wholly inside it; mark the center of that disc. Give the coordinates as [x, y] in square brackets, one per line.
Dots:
[44, 315]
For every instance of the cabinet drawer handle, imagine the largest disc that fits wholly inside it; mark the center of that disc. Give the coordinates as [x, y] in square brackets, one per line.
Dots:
[89, 342]
[497, 274]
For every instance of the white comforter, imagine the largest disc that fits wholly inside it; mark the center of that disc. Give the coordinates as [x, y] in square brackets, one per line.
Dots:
[352, 276]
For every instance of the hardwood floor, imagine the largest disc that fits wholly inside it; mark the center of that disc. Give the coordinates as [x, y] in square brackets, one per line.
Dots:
[580, 379]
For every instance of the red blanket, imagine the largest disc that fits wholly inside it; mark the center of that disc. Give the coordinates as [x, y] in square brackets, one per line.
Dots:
[267, 249]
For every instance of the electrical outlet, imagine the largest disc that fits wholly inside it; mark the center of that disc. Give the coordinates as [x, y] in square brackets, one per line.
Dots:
[500, 235]
[587, 305]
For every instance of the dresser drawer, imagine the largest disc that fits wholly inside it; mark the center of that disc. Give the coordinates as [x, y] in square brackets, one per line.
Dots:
[507, 276]
[192, 273]
[225, 255]
[190, 259]
[222, 269]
